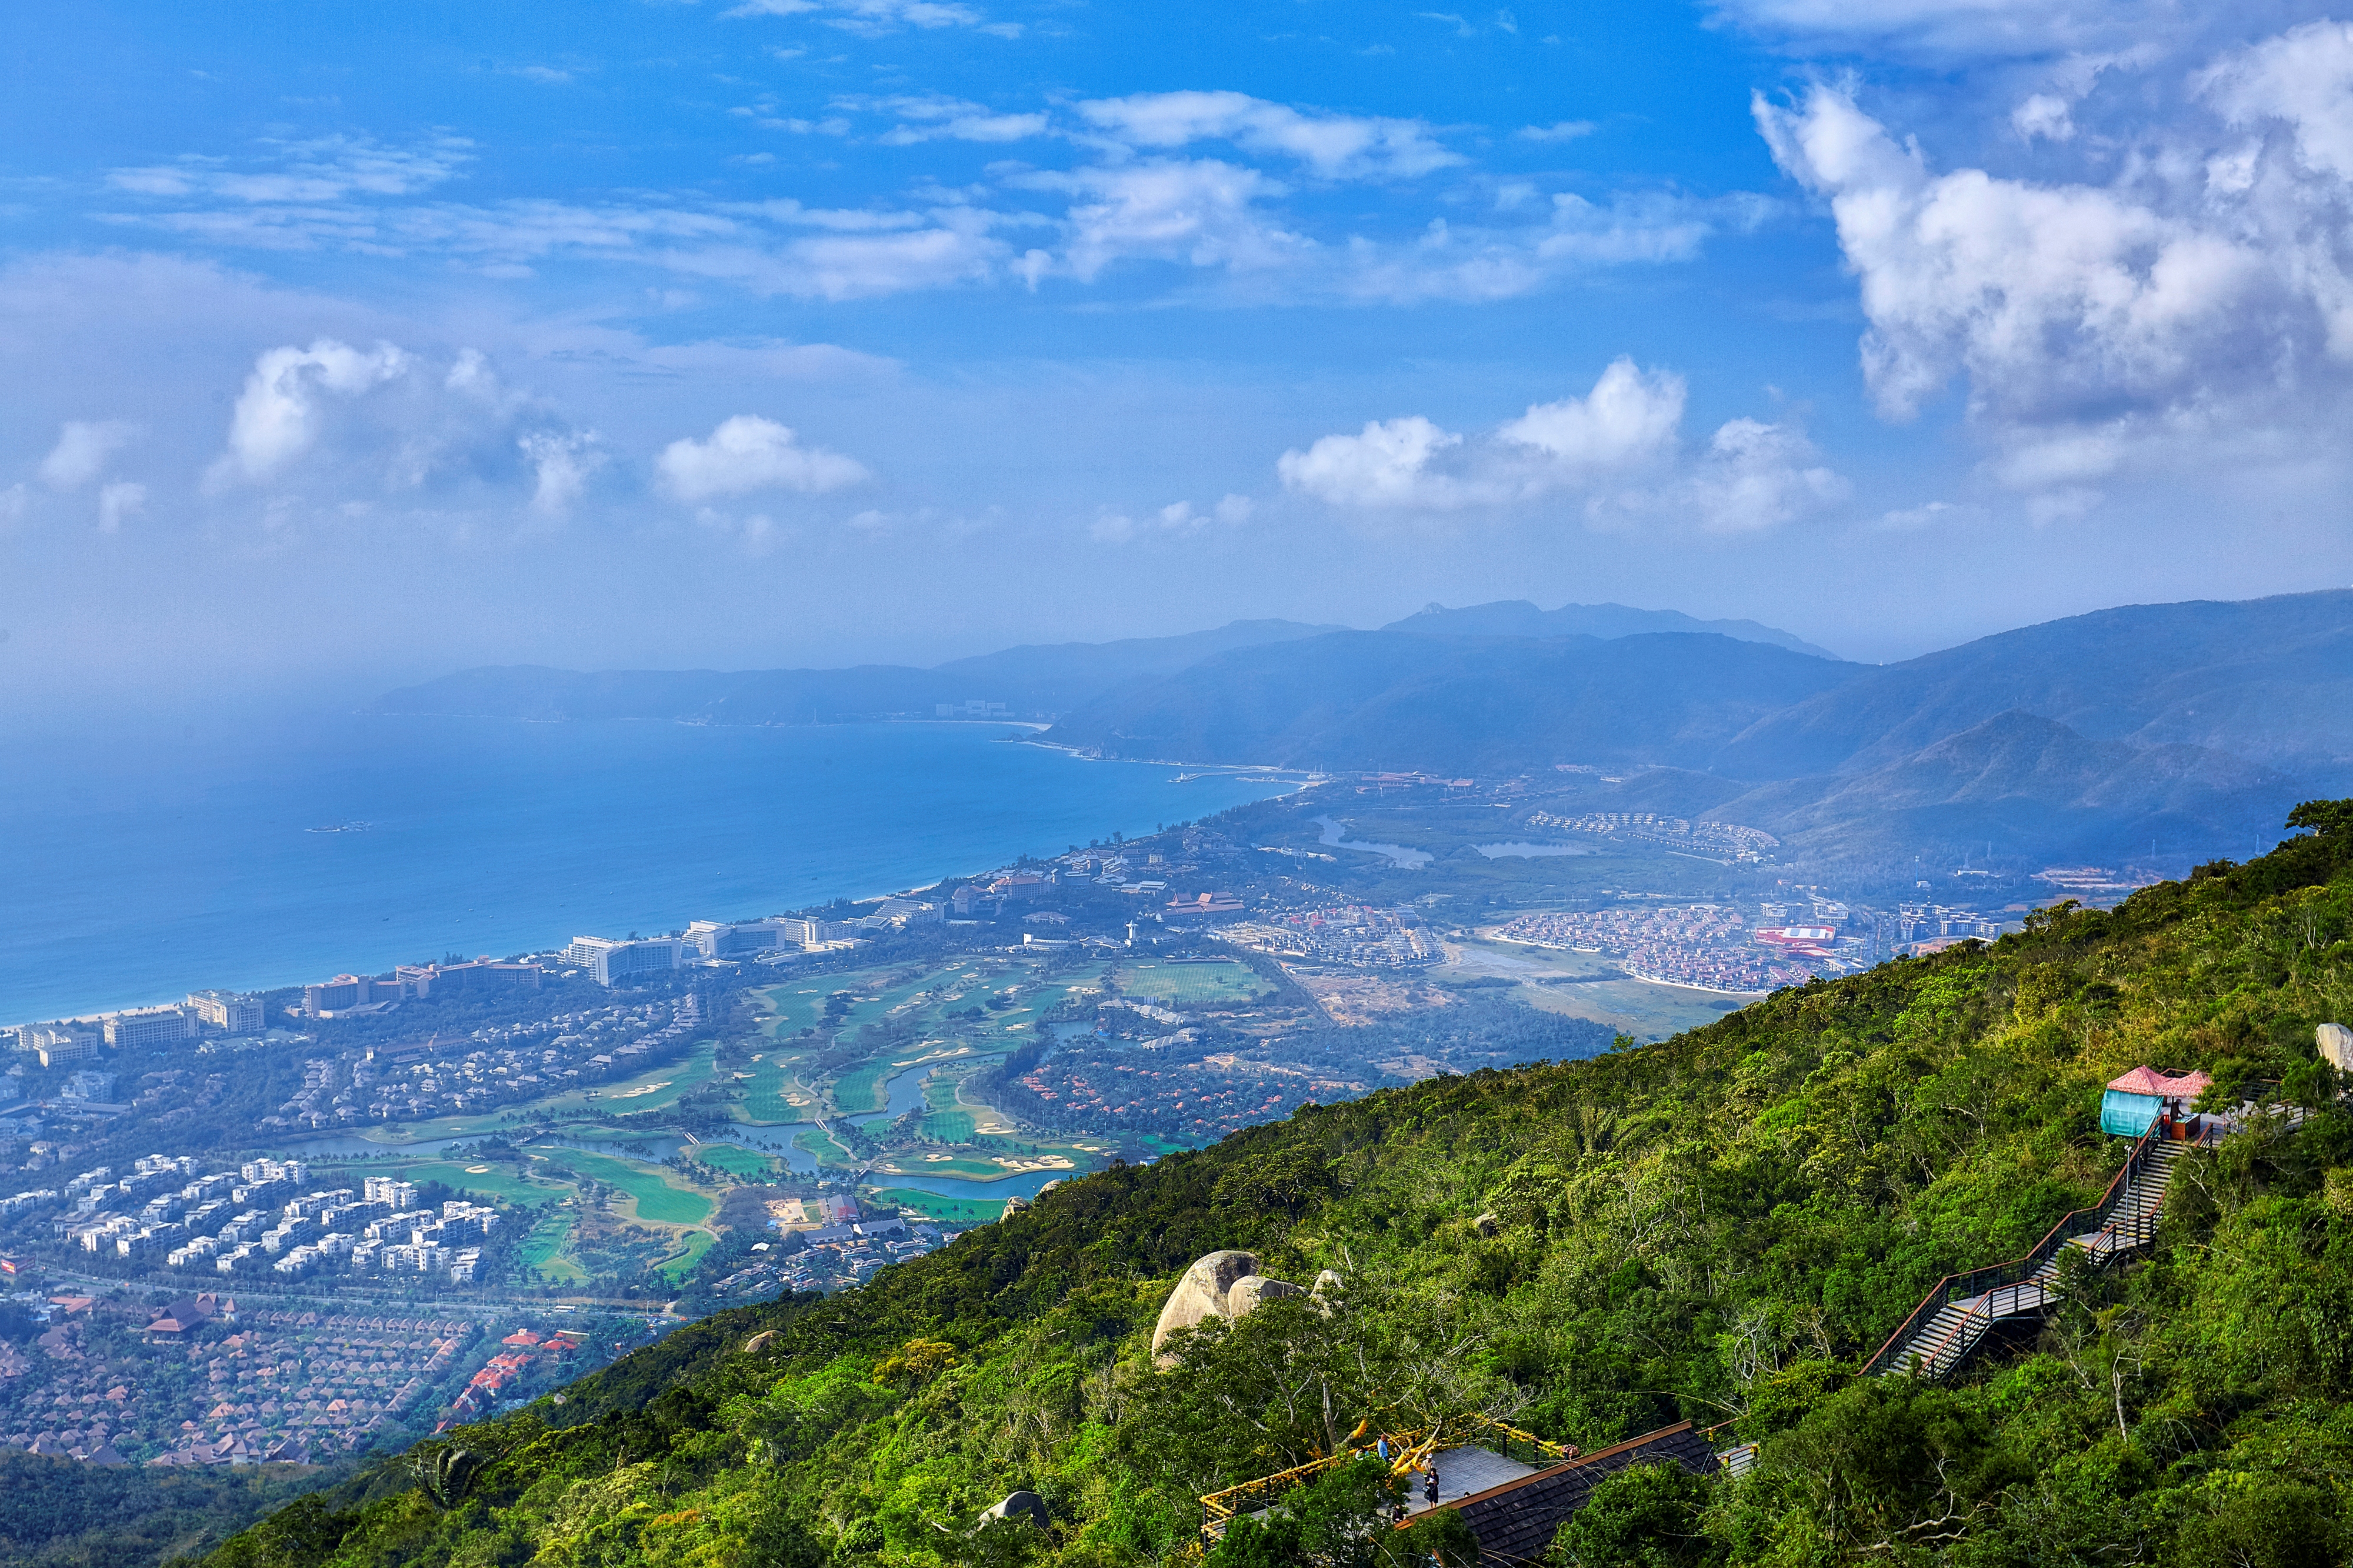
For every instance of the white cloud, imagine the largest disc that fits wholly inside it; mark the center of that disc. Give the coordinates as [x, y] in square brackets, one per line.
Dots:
[1928, 514]
[1179, 516]
[277, 416]
[1388, 466]
[1559, 131]
[323, 169]
[1200, 212]
[1757, 474]
[561, 463]
[879, 19]
[952, 119]
[1628, 418]
[83, 446]
[1336, 146]
[748, 453]
[118, 502]
[2045, 115]
[1617, 446]
[2303, 80]
[2196, 294]
[1951, 29]
[1224, 214]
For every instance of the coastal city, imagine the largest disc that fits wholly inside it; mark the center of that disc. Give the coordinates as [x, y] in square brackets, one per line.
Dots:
[312, 1203]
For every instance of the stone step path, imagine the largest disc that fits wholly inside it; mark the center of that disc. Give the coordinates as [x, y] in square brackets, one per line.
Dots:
[1947, 1340]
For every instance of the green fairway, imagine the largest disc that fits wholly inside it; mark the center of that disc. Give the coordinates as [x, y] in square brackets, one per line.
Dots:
[540, 1249]
[818, 1141]
[948, 1211]
[656, 1088]
[860, 1088]
[734, 1161]
[1190, 984]
[649, 1186]
[949, 1126]
[935, 1001]
[765, 1091]
[698, 1242]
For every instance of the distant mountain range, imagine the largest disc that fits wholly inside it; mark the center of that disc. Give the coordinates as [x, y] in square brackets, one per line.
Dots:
[1048, 677]
[2197, 724]
[1519, 618]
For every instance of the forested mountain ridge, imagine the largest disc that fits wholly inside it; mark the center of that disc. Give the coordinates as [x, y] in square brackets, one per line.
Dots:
[1718, 1228]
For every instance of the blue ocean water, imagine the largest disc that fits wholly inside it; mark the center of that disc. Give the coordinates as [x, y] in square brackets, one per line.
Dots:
[136, 868]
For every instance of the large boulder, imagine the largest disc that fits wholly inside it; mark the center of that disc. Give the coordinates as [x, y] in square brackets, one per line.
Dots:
[1202, 1293]
[1024, 1507]
[1243, 1296]
[2336, 1043]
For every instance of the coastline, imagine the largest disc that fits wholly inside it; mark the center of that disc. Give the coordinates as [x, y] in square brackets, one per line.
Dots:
[453, 875]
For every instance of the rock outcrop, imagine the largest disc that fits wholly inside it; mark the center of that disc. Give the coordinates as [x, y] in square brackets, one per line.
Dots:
[1025, 1506]
[1201, 1294]
[1243, 1296]
[2335, 1044]
[1228, 1285]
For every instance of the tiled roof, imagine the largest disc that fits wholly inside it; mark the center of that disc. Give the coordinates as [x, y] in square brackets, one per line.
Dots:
[2149, 1081]
[1516, 1522]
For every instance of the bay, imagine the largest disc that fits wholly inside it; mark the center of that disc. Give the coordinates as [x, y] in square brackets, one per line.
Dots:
[136, 867]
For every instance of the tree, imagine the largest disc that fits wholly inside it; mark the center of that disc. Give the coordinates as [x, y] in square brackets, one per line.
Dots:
[1343, 1519]
[2325, 818]
[1646, 1517]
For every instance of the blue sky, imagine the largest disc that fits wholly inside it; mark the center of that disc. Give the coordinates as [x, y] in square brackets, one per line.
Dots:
[341, 345]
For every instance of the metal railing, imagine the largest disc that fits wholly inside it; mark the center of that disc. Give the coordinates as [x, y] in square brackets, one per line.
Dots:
[1220, 1508]
[1406, 1451]
[1980, 1287]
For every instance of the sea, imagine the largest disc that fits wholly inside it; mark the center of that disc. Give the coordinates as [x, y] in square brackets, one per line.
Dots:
[136, 867]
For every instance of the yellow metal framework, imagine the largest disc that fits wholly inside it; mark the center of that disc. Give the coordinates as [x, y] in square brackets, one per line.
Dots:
[1412, 1449]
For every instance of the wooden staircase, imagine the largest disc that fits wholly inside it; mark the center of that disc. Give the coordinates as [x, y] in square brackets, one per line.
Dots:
[1955, 1318]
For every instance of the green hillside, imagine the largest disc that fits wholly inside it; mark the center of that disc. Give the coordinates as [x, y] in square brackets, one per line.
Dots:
[1717, 1227]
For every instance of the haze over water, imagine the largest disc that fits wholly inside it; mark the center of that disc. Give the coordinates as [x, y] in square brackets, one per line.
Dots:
[140, 867]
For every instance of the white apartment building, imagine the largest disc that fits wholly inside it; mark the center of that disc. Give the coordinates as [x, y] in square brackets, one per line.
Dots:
[150, 1026]
[608, 961]
[231, 1012]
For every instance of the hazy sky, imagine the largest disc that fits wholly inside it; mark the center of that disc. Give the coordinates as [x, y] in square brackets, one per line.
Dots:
[346, 344]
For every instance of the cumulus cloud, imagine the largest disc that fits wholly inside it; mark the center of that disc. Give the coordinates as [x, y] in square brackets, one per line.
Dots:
[748, 453]
[118, 502]
[277, 415]
[1757, 474]
[1629, 418]
[2196, 294]
[1336, 146]
[83, 446]
[1388, 466]
[561, 463]
[1616, 446]
[1200, 212]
